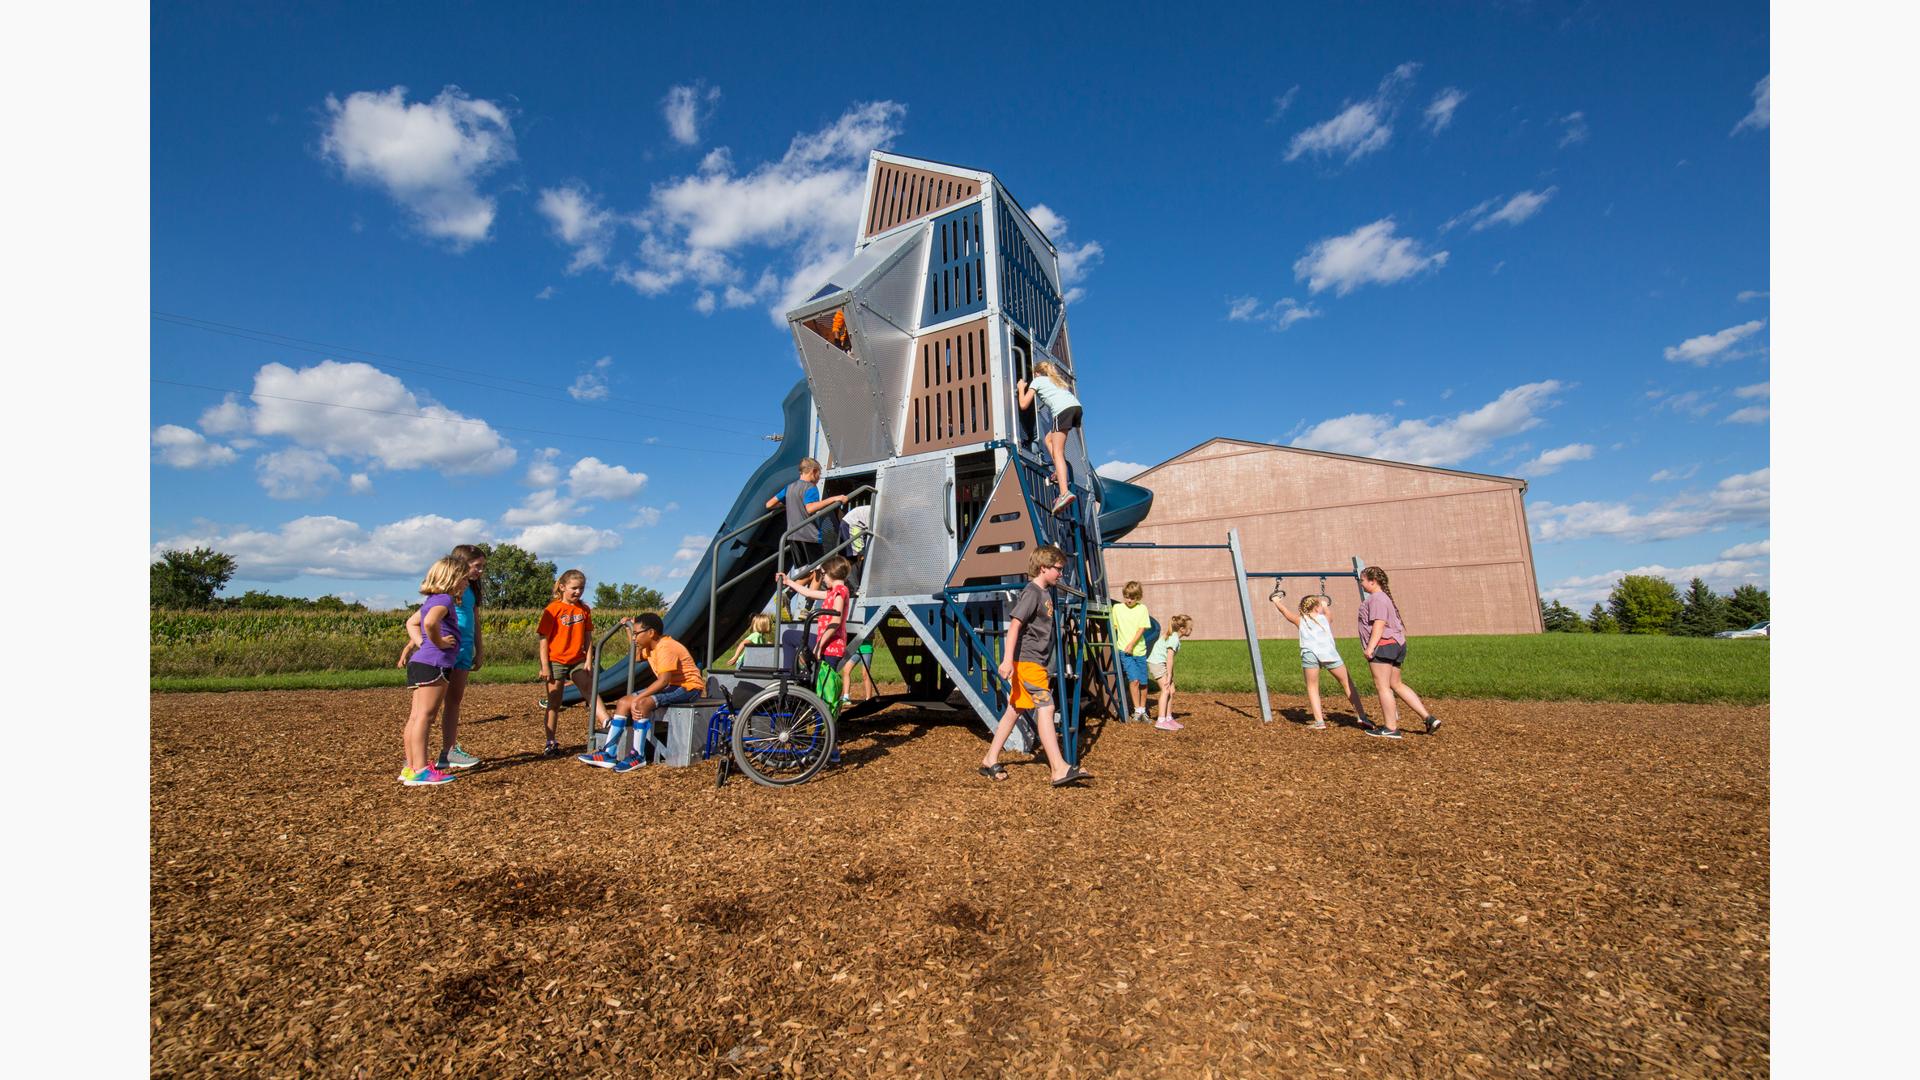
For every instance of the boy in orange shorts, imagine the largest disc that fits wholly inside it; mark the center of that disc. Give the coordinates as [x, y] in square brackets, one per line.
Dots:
[1029, 649]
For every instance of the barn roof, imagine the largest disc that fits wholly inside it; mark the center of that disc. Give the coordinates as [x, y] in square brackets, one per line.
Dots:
[1254, 445]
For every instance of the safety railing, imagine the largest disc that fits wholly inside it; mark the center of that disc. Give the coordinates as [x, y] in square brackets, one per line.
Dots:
[777, 560]
[592, 700]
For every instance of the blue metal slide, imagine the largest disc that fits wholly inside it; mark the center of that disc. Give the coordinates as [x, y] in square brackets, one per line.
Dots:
[686, 618]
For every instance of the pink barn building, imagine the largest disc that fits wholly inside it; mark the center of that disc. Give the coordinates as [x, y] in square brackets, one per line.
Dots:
[1455, 543]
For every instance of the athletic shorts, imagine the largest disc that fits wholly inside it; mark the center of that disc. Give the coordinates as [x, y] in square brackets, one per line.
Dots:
[564, 672]
[1390, 652]
[1032, 689]
[1157, 671]
[1067, 420]
[419, 675]
[1311, 660]
[1133, 667]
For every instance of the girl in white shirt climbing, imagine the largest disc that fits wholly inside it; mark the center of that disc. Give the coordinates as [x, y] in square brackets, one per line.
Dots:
[1055, 389]
[1318, 653]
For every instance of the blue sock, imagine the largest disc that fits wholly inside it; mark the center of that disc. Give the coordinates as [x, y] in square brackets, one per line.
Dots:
[616, 727]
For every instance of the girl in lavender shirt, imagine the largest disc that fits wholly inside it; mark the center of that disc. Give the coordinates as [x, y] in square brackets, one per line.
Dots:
[429, 663]
[1384, 640]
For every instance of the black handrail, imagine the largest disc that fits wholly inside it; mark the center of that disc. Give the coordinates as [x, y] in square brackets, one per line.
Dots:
[592, 701]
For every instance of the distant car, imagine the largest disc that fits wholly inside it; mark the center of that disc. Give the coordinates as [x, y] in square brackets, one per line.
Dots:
[1756, 630]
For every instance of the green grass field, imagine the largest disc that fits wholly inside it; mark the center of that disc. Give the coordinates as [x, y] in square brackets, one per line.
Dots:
[1525, 667]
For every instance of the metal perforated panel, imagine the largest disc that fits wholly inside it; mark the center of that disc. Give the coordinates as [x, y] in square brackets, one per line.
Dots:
[895, 292]
[843, 396]
[887, 353]
[913, 544]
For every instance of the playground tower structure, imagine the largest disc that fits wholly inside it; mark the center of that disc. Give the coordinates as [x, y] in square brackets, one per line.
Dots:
[912, 351]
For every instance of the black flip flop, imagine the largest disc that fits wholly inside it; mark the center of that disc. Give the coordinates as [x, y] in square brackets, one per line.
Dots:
[1074, 776]
[994, 772]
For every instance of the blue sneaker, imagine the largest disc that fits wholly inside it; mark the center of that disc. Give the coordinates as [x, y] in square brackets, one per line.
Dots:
[599, 759]
[630, 764]
[1383, 733]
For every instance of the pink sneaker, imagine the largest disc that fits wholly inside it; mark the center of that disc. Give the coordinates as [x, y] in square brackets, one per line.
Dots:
[1168, 723]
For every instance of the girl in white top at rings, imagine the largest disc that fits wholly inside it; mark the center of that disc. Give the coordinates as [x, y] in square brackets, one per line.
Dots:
[1318, 653]
[1055, 390]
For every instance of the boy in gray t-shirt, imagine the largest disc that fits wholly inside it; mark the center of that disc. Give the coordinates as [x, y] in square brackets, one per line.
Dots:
[802, 497]
[1024, 665]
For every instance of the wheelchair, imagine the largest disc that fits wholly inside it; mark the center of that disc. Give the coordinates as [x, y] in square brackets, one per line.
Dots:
[776, 731]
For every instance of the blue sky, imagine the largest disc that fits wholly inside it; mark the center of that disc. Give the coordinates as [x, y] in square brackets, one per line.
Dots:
[1528, 239]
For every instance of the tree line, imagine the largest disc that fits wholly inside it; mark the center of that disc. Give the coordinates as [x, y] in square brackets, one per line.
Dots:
[516, 578]
[1643, 604]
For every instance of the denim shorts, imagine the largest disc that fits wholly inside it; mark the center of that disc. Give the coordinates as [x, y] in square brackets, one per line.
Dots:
[1133, 667]
[674, 695]
[1312, 660]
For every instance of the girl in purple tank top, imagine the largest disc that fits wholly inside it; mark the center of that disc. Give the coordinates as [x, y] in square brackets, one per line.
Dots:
[429, 662]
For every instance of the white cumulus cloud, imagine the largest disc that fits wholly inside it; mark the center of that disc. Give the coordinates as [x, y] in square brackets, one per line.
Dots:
[687, 555]
[1120, 470]
[591, 478]
[185, 448]
[795, 216]
[544, 507]
[1075, 259]
[377, 419]
[1370, 254]
[296, 474]
[1549, 461]
[427, 156]
[560, 538]
[1360, 127]
[1752, 414]
[332, 547]
[1741, 499]
[1723, 576]
[1445, 441]
[578, 222]
[544, 470]
[1702, 350]
[1756, 549]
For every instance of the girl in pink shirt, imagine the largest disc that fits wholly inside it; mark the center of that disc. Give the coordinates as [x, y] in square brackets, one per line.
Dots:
[1384, 640]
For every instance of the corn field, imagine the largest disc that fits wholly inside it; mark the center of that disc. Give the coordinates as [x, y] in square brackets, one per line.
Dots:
[275, 642]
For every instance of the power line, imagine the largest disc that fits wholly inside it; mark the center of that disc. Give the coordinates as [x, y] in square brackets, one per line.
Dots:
[451, 420]
[439, 371]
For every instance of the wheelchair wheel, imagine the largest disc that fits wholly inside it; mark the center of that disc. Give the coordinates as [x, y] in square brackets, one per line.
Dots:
[783, 737]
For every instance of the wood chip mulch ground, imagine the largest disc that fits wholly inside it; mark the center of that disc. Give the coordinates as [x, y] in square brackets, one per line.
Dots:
[1572, 889]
